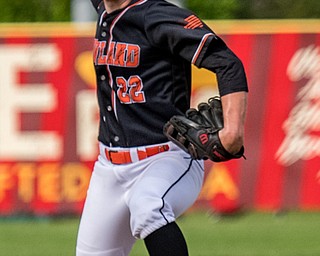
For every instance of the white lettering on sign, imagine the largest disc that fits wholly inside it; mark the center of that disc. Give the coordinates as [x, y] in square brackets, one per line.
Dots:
[302, 127]
[87, 124]
[18, 98]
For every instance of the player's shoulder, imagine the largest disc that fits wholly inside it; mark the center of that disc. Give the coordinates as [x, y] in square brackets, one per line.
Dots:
[166, 8]
[162, 3]
[97, 4]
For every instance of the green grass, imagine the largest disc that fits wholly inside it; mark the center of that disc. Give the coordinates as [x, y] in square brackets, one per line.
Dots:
[251, 234]
[38, 237]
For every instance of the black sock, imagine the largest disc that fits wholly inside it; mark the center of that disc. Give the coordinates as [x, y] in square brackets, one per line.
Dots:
[166, 241]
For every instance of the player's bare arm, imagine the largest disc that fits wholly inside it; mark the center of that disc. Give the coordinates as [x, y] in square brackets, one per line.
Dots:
[234, 112]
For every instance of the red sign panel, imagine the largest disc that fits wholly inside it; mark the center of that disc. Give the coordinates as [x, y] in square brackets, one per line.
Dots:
[49, 124]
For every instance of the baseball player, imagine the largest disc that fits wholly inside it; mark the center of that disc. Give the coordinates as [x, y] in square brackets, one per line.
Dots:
[142, 182]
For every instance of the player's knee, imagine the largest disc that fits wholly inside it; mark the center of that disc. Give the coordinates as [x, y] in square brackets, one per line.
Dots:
[147, 216]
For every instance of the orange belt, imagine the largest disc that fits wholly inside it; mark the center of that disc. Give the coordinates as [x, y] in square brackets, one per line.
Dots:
[124, 157]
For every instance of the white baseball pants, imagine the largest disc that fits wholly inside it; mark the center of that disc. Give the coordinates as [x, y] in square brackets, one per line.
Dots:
[130, 201]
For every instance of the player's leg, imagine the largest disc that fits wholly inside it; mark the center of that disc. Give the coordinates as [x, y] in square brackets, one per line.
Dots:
[167, 240]
[167, 188]
[104, 229]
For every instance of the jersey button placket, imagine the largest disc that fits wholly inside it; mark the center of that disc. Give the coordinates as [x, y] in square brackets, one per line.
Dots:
[104, 34]
[103, 30]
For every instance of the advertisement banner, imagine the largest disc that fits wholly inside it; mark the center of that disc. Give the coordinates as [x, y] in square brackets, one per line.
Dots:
[49, 118]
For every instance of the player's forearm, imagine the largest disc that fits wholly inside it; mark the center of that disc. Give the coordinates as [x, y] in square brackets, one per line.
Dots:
[234, 113]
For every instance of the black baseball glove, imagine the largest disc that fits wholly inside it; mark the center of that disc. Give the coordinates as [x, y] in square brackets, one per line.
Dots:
[197, 132]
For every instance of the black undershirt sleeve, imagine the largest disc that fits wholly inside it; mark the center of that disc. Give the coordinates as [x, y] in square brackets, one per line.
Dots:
[228, 67]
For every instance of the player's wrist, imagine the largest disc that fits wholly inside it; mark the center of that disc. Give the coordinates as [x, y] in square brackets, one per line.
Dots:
[231, 140]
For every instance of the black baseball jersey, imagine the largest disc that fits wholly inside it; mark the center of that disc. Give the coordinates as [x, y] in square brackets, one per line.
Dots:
[142, 56]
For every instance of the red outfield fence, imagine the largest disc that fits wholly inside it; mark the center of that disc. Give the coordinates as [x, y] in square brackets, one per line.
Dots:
[48, 118]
